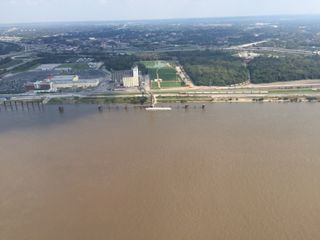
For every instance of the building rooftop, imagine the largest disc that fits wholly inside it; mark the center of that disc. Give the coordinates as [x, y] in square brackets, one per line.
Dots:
[63, 78]
[79, 81]
[67, 79]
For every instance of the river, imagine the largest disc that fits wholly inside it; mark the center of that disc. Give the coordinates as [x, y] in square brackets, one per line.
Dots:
[231, 171]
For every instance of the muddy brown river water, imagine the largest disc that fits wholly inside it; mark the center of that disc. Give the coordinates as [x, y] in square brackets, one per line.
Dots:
[231, 172]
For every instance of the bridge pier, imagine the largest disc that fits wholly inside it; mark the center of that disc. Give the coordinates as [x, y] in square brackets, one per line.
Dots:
[5, 106]
[10, 104]
[17, 105]
[61, 109]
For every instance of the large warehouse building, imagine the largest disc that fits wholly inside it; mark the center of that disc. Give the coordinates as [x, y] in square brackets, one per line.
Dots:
[70, 81]
[55, 83]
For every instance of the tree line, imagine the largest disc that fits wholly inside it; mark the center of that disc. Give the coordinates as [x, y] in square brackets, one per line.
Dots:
[6, 47]
[213, 68]
[265, 69]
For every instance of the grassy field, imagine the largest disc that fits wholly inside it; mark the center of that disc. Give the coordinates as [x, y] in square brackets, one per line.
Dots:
[167, 72]
[301, 91]
[168, 84]
[26, 66]
[10, 64]
[75, 66]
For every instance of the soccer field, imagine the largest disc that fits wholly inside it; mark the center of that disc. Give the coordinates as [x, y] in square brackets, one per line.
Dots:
[166, 70]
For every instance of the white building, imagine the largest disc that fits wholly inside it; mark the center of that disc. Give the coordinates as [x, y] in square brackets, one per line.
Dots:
[132, 81]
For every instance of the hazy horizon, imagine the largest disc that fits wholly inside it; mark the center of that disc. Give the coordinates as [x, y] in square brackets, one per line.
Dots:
[38, 11]
[217, 19]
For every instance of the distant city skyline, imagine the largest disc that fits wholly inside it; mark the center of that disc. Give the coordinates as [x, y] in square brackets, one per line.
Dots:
[27, 11]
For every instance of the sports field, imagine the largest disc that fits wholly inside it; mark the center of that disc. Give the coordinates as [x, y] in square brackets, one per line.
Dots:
[167, 84]
[166, 71]
[75, 66]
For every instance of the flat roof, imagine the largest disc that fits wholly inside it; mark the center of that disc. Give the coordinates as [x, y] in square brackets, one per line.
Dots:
[63, 78]
[75, 82]
[48, 66]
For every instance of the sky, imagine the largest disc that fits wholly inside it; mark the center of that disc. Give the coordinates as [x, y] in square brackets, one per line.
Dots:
[26, 11]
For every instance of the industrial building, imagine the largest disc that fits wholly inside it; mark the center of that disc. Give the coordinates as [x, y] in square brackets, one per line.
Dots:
[127, 78]
[40, 87]
[52, 84]
[71, 81]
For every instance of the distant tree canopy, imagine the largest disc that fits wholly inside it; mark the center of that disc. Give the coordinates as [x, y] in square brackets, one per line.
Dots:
[5, 61]
[269, 69]
[2, 71]
[47, 58]
[119, 62]
[6, 47]
[210, 68]
[207, 68]
[142, 68]
[25, 66]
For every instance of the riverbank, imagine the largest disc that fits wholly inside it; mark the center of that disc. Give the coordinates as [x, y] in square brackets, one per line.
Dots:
[141, 100]
[217, 96]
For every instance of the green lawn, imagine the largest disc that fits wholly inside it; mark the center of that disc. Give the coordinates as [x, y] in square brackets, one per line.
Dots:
[26, 66]
[75, 66]
[166, 74]
[10, 64]
[294, 90]
[167, 84]
[166, 70]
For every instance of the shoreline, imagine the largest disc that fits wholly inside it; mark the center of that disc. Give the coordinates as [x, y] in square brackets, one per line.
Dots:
[163, 99]
[141, 100]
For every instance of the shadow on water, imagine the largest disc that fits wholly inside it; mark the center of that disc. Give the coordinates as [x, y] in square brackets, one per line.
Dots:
[50, 115]
[11, 119]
